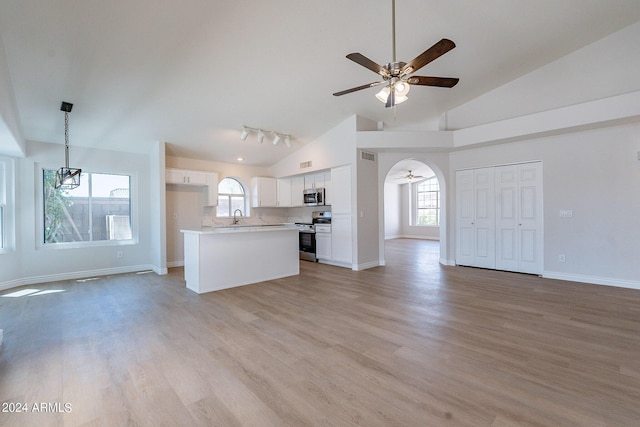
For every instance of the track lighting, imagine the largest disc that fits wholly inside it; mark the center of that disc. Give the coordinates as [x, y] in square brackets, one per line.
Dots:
[277, 136]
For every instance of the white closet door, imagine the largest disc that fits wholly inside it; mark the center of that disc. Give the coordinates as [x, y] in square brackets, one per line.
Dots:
[530, 218]
[475, 218]
[507, 239]
[465, 244]
[519, 218]
[485, 221]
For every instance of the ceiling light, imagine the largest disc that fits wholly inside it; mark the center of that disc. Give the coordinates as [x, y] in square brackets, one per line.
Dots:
[277, 136]
[240, 159]
[400, 95]
[67, 178]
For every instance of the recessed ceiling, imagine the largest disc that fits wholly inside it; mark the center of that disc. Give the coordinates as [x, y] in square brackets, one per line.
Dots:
[191, 73]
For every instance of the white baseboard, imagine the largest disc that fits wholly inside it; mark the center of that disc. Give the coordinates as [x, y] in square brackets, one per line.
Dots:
[366, 265]
[418, 237]
[173, 264]
[450, 262]
[606, 281]
[76, 275]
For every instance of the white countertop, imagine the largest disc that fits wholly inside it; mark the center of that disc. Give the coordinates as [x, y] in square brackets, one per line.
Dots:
[241, 228]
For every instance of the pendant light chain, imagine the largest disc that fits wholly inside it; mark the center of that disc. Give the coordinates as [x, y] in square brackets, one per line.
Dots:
[66, 139]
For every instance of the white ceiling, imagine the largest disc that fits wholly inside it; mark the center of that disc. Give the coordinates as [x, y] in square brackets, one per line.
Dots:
[192, 72]
[397, 174]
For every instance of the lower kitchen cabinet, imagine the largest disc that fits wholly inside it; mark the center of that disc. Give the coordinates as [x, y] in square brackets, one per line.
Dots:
[341, 238]
[323, 242]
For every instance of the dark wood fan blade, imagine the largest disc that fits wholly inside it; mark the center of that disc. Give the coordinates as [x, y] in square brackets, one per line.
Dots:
[360, 59]
[434, 52]
[433, 81]
[355, 89]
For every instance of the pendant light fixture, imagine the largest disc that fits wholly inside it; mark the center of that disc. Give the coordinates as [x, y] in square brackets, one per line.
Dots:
[67, 178]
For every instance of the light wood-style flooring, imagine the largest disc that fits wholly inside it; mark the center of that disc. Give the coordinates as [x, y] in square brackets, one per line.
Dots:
[409, 344]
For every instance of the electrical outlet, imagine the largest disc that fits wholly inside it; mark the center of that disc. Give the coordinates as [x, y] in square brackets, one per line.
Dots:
[561, 258]
[119, 254]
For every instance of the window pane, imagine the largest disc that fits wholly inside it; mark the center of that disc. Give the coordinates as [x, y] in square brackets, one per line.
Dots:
[237, 203]
[230, 186]
[428, 216]
[110, 207]
[66, 212]
[223, 206]
[1, 227]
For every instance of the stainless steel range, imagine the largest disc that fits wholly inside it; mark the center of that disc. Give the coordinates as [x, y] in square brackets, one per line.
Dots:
[307, 234]
[307, 241]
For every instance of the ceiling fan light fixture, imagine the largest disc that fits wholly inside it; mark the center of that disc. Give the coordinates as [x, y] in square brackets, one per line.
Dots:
[384, 94]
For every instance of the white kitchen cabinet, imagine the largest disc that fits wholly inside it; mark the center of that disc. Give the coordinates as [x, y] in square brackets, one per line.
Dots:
[264, 192]
[283, 191]
[297, 190]
[188, 177]
[341, 238]
[212, 189]
[341, 190]
[314, 180]
[323, 242]
[328, 190]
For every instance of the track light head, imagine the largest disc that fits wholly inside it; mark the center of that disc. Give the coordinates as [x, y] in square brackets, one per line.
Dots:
[276, 139]
[244, 134]
[287, 141]
[260, 136]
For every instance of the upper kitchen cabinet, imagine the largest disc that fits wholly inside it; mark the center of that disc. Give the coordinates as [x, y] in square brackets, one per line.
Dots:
[263, 192]
[297, 190]
[212, 189]
[180, 176]
[284, 192]
[340, 190]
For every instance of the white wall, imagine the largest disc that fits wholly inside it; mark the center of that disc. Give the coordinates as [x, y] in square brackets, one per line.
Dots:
[605, 68]
[406, 228]
[594, 173]
[40, 264]
[392, 210]
[11, 140]
[366, 214]
[334, 148]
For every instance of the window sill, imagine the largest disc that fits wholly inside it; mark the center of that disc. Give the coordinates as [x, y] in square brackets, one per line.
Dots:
[81, 245]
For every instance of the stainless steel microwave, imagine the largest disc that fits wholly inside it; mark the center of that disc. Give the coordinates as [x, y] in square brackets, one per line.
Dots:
[314, 197]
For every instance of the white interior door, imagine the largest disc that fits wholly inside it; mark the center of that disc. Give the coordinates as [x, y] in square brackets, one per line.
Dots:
[465, 241]
[485, 218]
[519, 218]
[530, 221]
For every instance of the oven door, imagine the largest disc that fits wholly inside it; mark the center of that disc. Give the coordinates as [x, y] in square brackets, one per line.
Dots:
[307, 241]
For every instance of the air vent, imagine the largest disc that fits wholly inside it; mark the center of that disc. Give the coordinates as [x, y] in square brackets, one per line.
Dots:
[365, 155]
[305, 165]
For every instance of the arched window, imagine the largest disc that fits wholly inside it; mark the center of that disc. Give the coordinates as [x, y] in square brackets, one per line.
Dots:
[428, 202]
[230, 197]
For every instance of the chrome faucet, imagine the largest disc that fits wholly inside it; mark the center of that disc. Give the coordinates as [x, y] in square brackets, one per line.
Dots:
[235, 219]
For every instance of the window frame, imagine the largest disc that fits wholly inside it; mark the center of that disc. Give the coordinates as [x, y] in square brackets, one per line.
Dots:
[415, 202]
[7, 203]
[245, 212]
[39, 204]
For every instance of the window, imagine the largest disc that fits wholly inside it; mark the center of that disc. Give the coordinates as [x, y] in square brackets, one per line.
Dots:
[230, 197]
[98, 210]
[428, 202]
[4, 191]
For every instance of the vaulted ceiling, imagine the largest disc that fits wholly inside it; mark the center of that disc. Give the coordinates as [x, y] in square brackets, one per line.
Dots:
[192, 72]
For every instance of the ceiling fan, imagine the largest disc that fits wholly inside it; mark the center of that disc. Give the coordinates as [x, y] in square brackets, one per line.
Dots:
[410, 176]
[397, 75]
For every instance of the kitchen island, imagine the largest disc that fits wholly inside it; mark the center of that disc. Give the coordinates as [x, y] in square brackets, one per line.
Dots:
[218, 258]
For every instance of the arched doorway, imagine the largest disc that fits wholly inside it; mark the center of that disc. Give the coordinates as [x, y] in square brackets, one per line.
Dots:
[414, 204]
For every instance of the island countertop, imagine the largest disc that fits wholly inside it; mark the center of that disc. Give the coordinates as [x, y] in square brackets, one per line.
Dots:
[240, 228]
